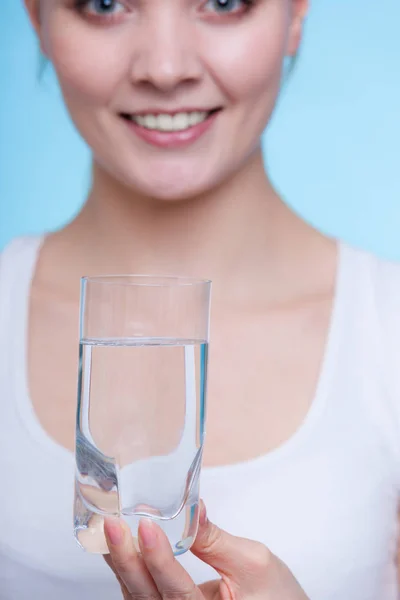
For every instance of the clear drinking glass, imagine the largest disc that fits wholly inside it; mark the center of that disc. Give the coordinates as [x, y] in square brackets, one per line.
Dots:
[141, 405]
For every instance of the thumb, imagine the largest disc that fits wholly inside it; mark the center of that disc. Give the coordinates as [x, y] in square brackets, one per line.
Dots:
[242, 561]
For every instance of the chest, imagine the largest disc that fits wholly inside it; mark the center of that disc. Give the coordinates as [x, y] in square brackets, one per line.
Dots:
[263, 375]
[324, 501]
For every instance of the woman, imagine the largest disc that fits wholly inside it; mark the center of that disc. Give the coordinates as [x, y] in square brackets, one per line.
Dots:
[303, 446]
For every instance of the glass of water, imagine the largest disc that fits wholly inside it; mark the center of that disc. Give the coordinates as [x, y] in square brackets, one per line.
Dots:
[141, 405]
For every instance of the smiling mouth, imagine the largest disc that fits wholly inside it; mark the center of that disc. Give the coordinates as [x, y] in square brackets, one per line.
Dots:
[170, 123]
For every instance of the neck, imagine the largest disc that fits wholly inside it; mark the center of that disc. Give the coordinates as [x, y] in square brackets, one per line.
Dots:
[232, 235]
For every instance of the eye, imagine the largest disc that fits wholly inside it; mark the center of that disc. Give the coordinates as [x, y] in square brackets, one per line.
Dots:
[101, 7]
[228, 6]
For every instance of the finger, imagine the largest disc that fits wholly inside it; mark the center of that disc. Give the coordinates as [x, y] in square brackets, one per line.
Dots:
[218, 589]
[240, 560]
[170, 577]
[126, 562]
[125, 593]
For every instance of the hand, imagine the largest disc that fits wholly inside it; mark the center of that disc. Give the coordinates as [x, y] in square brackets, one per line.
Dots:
[247, 569]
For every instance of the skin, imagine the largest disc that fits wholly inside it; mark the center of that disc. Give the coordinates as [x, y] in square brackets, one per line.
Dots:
[207, 210]
[246, 568]
[193, 69]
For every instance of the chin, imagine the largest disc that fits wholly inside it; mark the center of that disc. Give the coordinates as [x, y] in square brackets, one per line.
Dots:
[170, 185]
[171, 191]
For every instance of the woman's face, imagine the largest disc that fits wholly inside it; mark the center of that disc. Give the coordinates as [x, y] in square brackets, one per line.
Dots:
[171, 95]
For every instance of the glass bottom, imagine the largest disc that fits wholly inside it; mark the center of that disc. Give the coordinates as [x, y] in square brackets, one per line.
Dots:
[89, 527]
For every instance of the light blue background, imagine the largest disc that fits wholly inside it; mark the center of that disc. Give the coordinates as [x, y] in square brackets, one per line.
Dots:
[333, 149]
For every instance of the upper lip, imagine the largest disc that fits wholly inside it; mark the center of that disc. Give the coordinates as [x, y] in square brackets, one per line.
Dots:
[163, 111]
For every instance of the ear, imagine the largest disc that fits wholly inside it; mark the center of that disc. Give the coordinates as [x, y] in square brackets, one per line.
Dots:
[299, 13]
[33, 10]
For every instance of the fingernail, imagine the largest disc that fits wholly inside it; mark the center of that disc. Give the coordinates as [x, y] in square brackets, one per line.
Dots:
[114, 531]
[203, 514]
[148, 534]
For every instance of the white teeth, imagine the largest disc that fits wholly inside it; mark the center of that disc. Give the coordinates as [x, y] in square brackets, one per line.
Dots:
[178, 122]
[164, 122]
[150, 121]
[195, 118]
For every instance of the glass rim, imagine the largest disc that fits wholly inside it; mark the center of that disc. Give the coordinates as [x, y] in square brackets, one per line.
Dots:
[145, 280]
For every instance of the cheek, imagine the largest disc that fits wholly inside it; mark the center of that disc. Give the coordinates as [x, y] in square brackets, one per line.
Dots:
[89, 66]
[247, 60]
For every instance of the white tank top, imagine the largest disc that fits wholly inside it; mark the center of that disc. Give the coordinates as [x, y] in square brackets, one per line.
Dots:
[325, 501]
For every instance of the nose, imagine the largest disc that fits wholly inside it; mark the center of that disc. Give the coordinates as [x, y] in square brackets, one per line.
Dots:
[165, 53]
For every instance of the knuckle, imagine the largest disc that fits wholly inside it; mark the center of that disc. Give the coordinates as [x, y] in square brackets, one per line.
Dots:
[260, 559]
[124, 564]
[161, 564]
[171, 594]
[213, 540]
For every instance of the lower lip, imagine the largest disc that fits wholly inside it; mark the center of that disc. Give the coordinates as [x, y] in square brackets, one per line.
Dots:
[173, 139]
